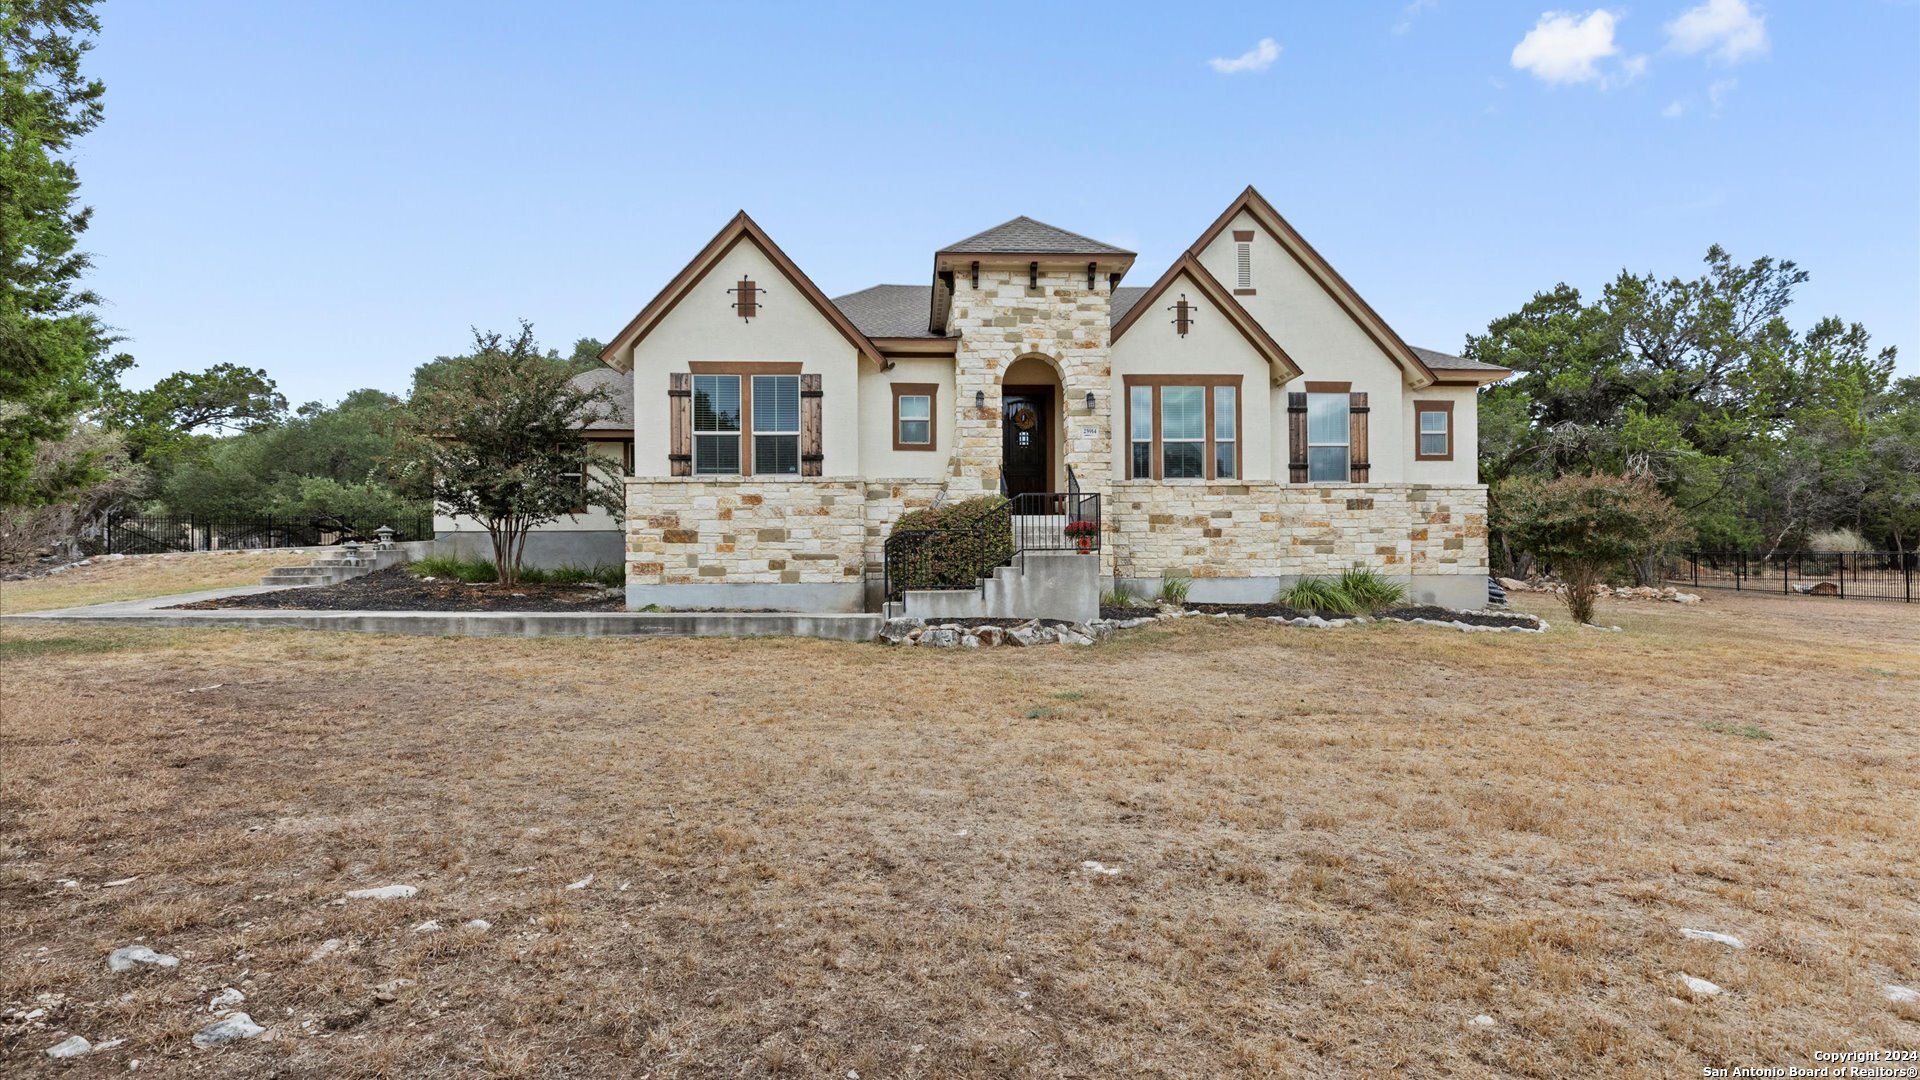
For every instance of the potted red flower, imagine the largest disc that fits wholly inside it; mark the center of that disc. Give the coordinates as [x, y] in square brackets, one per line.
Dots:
[1082, 533]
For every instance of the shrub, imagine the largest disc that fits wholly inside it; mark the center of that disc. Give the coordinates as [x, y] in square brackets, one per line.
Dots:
[472, 571]
[956, 544]
[1359, 590]
[1584, 526]
[1319, 595]
[1122, 596]
[1369, 590]
[1834, 541]
[1174, 588]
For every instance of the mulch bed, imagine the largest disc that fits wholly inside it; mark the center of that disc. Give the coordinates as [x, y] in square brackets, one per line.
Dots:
[395, 589]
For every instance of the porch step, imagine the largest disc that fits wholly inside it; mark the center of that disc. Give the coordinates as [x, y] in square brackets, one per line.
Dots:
[330, 569]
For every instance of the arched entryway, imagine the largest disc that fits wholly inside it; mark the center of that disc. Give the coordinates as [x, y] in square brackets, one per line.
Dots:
[1032, 427]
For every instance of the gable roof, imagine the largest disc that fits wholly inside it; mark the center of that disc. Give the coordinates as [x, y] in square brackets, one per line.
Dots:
[1448, 368]
[1411, 365]
[1188, 265]
[740, 228]
[889, 311]
[1123, 299]
[619, 406]
[1025, 236]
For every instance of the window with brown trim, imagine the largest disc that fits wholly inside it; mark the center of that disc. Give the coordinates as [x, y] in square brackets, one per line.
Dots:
[746, 419]
[914, 426]
[1433, 430]
[1183, 427]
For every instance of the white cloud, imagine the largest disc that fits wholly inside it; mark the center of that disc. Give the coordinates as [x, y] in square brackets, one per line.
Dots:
[1565, 48]
[1630, 69]
[1674, 110]
[1717, 93]
[1728, 27]
[1411, 12]
[1258, 58]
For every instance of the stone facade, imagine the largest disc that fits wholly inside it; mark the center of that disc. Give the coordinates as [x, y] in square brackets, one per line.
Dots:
[750, 531]
[1271, 530]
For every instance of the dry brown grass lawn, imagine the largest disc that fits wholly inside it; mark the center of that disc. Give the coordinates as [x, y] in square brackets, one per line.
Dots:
[1335, 849]
[142, 576]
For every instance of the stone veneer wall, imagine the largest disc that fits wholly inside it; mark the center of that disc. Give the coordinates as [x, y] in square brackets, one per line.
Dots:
[1266, 529]
[753, 531]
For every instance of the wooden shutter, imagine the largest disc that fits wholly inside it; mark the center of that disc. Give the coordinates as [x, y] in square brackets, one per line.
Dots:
[1357, 437]
[810, 456]
[1297, 438]
[680, 423]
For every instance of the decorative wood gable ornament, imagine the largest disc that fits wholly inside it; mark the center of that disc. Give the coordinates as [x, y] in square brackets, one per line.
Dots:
[1182, 315]
[746, 301]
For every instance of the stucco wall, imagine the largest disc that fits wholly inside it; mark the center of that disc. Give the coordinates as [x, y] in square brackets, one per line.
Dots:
[788, 328]
[877, 455]
[1212, 346]
[1465, 466]
[1327, 344]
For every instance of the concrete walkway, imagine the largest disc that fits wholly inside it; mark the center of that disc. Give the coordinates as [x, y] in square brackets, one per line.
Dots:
[154, 612]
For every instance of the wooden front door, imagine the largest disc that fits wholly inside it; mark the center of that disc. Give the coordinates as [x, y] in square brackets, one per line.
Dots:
[1023, 433]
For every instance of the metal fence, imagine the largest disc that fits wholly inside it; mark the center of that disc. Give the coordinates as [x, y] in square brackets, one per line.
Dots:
[134, 534]
[1854, 575]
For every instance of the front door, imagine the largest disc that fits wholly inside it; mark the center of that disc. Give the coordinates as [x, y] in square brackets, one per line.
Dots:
[1023, 434]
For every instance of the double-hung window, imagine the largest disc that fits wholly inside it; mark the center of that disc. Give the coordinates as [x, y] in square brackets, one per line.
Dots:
[776, 425]
[1328, 437]
[1183, 427]
[716, 424]
[1434, 430]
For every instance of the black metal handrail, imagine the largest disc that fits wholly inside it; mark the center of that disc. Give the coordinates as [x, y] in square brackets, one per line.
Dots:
[1855, 575]
[963, 558]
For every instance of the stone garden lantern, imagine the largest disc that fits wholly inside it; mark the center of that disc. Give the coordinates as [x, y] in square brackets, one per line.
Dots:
[383, 537]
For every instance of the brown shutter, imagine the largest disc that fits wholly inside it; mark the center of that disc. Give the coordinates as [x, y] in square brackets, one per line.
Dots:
[1297, 438]
[1357, 436]
[680, 423]
[810, 456]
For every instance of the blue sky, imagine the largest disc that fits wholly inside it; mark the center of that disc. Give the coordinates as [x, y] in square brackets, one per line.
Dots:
[335, 192]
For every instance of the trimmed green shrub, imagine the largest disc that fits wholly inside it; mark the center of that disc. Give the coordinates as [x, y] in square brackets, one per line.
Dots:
[481, 571]
[1120, 597]
[471, 571]
[960, 543]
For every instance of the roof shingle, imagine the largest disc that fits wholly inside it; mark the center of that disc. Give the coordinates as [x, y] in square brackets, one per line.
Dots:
[1025, 236]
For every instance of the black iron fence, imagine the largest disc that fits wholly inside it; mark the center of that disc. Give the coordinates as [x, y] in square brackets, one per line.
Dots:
[960, 558]
[134, 534]
[1857, 575]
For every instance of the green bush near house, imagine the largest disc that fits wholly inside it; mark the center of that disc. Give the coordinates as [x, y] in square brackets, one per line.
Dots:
[472, 571]
[1360, 590]
[951, 546]
[1174, 589]
[1121, 597]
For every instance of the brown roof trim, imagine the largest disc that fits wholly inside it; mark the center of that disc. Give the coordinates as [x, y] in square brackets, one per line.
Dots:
[1323, 272]
[1469, 376]
[740, 228]
[1249, 327]
[916, 346]
[1068, 257]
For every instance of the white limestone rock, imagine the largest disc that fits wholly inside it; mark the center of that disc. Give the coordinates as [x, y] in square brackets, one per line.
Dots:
[132, 956]
[324, 949]
[969, 641]
[385, 892]
[225, 1000]
[427, 927]
[230, 1028]
[940, 637]
[476, 924]
[1901, 995]
[1699, 987]
[897, 631]
[1481, 1021]
[1713, 936]
[72, 1046]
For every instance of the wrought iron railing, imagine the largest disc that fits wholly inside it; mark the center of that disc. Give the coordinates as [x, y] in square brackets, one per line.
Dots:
[964, 557]
[1855, 575]
[134, 534]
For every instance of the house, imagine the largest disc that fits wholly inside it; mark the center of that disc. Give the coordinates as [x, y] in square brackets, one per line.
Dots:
[1243, 420]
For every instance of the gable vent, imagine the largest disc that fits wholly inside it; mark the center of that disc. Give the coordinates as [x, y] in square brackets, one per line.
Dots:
[1245, 255]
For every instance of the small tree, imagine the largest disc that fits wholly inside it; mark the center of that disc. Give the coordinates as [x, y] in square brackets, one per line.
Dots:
[1583, 526]
[497, 437]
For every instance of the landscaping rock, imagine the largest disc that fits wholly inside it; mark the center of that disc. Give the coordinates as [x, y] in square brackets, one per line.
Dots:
[940, 638]
[225, 1000]
[133, 956]
[1481, 1021]
[324, 949]
[990, 635]
[1093, 867]
[1072, 635]
[389, 991]
[71, 1047]
[385, 892]
[231, 1028]
[581, 884]
[968, 641]
[427, 927]
[1699, 987]
[1901, 995]
[476, 924]
[897, 631]
[1024, 635]
[1714, 936]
